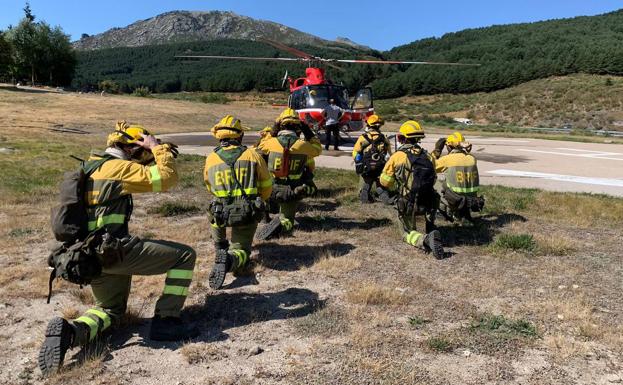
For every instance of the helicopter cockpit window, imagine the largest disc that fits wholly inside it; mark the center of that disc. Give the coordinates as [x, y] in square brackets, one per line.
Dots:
[363, 99]
[298, 99]
[318, 96]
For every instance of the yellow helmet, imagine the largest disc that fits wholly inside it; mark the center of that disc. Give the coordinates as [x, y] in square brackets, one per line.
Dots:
[457, 140]
[228, 128]
[375, 121]
[288, 116]
[126, 134]
[411, 129]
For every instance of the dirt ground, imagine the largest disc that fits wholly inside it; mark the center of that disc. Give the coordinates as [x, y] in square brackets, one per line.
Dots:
[530, 295]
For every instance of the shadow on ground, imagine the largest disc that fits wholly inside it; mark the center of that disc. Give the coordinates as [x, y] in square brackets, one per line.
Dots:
[502, 158]
[323, 205]
[294, 257]
[482, 232]
[316, 223]
[218, 313]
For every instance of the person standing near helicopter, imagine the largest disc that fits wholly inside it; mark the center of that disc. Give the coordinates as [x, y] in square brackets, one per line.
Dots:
[332, 114]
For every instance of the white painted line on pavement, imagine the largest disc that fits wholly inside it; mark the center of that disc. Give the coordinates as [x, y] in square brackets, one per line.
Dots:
[476, 138]
[589, 151]
[560, 177]
[592, 155]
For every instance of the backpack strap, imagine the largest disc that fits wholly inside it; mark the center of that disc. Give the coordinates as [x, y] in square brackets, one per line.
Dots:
[231, 161]
[89, 166]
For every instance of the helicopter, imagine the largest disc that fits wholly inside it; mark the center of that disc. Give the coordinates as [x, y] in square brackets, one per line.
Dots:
[311, 94]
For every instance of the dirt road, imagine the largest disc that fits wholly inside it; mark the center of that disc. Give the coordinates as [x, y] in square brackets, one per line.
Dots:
[546, 164]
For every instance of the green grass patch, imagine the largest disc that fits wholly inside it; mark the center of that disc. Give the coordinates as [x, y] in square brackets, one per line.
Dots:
[440, 344]
[503, 325]
[500, 199]
[21, 232]
[418, 321]
[171, 209]
[514, 242]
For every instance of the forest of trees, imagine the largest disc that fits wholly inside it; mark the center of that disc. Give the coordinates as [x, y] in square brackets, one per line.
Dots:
[35, 52]
[508, 55]
[157, 68]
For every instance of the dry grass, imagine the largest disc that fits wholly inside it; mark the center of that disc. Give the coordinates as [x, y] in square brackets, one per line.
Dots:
[564, 347]
[83, 295]
[363, 333]
[555, 245]
[201, 352]
[331, 264]
[70, 312]
[378, 295]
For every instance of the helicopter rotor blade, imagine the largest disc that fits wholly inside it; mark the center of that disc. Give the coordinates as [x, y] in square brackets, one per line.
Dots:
[403, 62]
[285, 78]
[283, 47]
[241, 58]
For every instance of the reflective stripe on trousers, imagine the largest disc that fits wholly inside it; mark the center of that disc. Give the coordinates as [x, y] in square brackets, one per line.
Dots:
[97, 320]
[413, 238]
[241, 258]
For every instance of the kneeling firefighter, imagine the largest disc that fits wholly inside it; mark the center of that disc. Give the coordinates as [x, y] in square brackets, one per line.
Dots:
[459, 189]
[238, 180]
[92, 222]
[291, 164]
[410, 172]
[370, 154]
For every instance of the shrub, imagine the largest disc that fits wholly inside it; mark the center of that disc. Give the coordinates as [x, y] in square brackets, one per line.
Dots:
[142, 92]
[515, 242]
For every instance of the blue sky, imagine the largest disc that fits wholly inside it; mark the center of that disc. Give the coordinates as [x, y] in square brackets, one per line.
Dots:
[378, 24]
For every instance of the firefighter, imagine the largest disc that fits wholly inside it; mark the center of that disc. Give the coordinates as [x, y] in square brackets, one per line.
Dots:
[291, 164]
[460, 183]
[410, 172]
[238, 180]
[130, 151]
[265, 134]
[370, 154]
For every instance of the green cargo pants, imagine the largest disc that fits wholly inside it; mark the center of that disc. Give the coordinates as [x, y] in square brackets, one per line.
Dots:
[410, 226]
[241, 241]
[147, 257]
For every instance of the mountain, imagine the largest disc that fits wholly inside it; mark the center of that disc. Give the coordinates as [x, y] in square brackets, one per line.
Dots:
[186, 26]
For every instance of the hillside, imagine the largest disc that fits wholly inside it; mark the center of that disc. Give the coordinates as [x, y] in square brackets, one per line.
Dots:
[510, 55]
[582, 101]
[185, 26]
[157, 68]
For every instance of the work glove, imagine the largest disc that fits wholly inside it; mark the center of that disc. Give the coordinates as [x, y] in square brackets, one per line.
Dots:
[439, 145]
[172, 147]
[386, 196]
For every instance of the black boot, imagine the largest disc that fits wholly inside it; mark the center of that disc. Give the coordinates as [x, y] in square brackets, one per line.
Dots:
[171, 329]
[222, 265]
[432, 241]
[59, 337]
[271, 230]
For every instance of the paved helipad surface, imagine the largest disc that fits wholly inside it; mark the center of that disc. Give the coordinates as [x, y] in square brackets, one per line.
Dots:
[546, 164]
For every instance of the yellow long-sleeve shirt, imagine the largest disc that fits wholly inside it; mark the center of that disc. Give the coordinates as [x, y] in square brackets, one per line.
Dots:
[461, 171]
[251, 172]
[109, 188]
[302, 154]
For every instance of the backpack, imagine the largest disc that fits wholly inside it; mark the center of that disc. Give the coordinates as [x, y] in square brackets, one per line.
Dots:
[69, 220]
[374, 158]
[284, 170]
[418, 192]
[76, 260]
